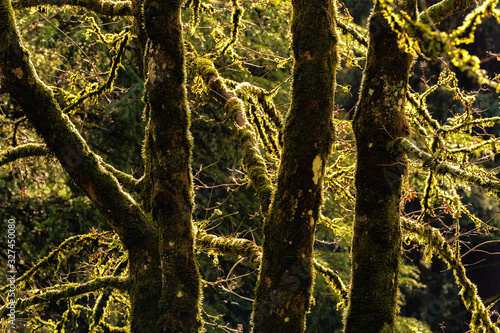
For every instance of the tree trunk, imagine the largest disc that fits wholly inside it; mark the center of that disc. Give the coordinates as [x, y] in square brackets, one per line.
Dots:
[167, 153]
[284, 288]
[379, 119]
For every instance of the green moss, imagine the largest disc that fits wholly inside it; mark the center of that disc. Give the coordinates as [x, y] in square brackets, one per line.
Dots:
[438, 245]
[379, 119]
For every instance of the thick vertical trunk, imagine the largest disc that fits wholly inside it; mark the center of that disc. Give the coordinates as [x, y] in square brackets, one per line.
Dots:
[286, 277]
[379, 119]
[168, 158]
[144, 288]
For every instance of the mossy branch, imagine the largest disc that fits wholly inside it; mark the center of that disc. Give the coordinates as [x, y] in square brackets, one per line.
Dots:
[17, 123]
[335, 282]
[441, 167]
[261, 97]
[108, 85]
[127, 181]
[253, 161]
[107, 328]
[20, 80]
[435, 241]
[438, 12]
[248, 249]
[348, 28]
[418, 102]
[58, 292]
[230, 245]
[236, 22]
[485, 122]
[28, 150]
[101, 7]
[53, 257]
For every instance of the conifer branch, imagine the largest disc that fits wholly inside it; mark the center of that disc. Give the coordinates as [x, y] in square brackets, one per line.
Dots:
[102, 7]
[28, 150]
[437, 244]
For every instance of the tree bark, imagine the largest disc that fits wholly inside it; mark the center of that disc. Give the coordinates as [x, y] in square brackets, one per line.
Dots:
[284, 289]
[167, 153]
[379, 119]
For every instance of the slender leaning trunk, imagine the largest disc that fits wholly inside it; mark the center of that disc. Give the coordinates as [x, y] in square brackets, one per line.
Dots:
[379, 119]
[286, 279]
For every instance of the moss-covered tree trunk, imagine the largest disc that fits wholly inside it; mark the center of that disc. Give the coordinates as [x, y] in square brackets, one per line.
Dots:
[284, 288]
[167, 153]
[379, 119]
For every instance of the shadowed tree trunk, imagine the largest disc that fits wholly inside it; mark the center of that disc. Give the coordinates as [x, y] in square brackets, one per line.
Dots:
[284, 288]
[167, 153]
[379, 119]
